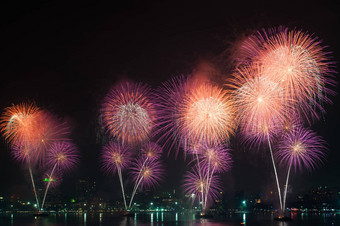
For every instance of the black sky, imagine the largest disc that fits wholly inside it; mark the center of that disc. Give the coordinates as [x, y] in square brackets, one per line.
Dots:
[65, 57]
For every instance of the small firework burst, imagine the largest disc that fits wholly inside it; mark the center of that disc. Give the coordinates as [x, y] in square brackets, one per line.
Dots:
[115, 156]
[62, 155]
[217, 158]
[201, 188]
[147, 172]
[302, 148]
[151, 150]
[23, 153]
[128, 113]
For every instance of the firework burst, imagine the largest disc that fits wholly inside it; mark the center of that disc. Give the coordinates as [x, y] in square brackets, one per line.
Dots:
[151, 150]
[148, 173]
[128, 113]
[115, 156]
[17, 121]
[302, 148]
[196, 186]
[207, 115]
[217, 159]
[169, 98]
[62, 155]
[297, 62]
[262, 109]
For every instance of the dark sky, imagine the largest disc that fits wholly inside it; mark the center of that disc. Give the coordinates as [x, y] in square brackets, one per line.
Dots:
[66, 57]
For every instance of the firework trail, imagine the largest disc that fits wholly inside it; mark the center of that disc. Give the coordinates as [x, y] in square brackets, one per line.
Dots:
[300, 148]
[128, 113]
[146, 174]
[116, 158]
[149, 150]
[62, 156]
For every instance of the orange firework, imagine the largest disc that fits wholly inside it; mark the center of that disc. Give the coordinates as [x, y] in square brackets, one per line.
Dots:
[261, 106]
[207, 114]
[16, 122]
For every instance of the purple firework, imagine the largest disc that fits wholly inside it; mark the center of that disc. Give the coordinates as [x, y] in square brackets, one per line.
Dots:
[62, 155]
[151, 150]
[301, 148]
[195, 186]
[217, 159]
[169, 98]
[23, 153]
[115, 156]
[147, 172]
[128, 113]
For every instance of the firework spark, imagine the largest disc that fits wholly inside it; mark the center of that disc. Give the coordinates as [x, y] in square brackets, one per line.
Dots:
[128, 113]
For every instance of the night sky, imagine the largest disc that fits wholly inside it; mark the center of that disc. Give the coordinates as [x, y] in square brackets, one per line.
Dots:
[66, 57]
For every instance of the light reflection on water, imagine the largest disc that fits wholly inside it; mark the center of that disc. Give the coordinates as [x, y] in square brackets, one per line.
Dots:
[167, 218]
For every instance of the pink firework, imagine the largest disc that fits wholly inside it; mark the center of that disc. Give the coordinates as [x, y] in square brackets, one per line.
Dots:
[301, 148]
[297, 61]
[62, 156]
[147, 173]
[216, 158]
[114, 157]
[169, 99]
[207, 114]
[196, 186]
[151, 150]
[261, 106]
[128, 113]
